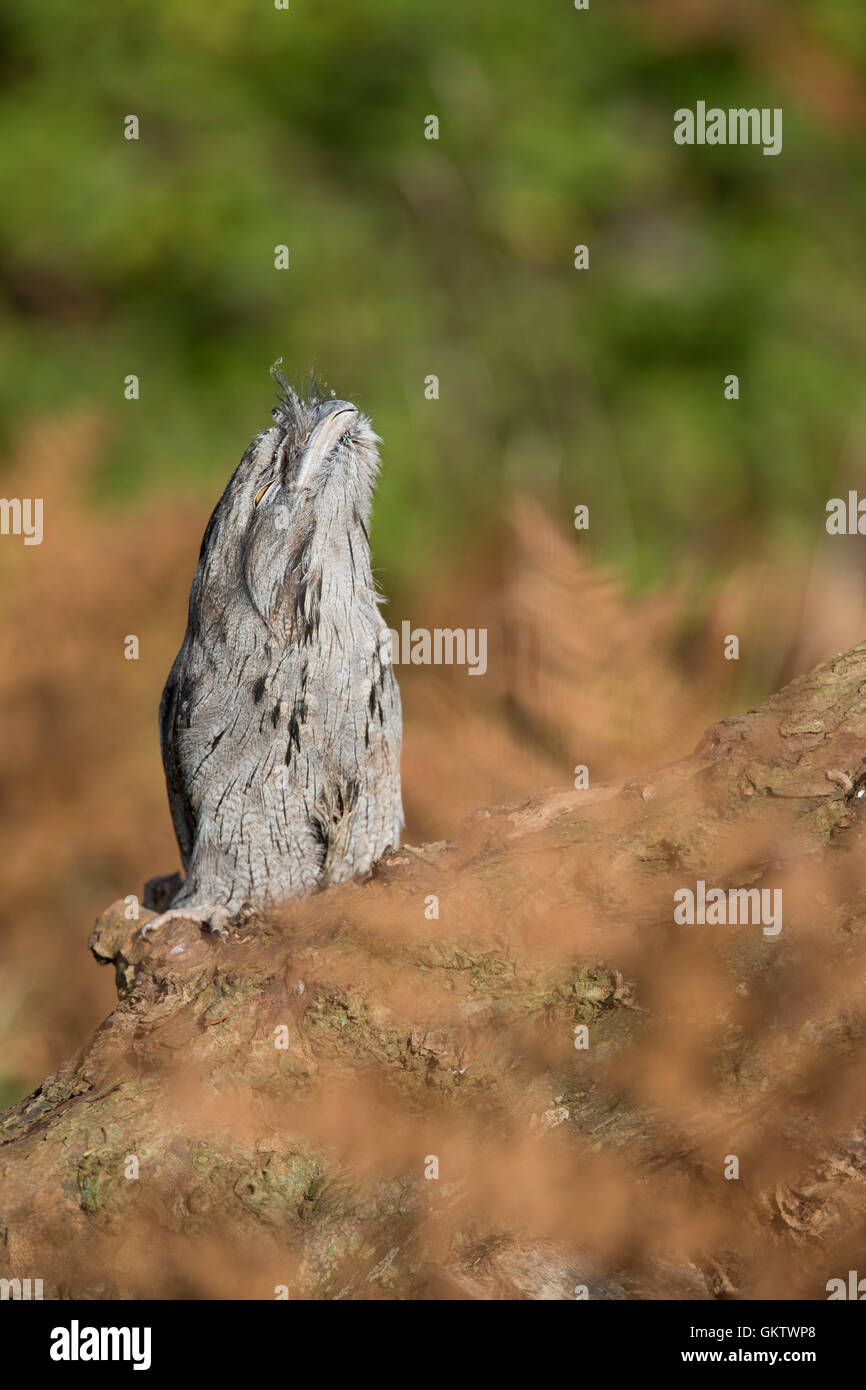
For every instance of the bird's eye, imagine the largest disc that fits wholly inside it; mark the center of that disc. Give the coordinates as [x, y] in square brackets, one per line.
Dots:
[261, 492]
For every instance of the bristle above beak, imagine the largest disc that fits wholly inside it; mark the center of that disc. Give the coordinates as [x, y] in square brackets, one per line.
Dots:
[334, 418]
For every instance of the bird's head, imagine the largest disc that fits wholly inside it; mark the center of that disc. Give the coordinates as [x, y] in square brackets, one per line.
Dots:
[321, 453]
[297, 505]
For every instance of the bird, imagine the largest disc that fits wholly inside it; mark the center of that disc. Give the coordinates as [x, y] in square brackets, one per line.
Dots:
[280, 721]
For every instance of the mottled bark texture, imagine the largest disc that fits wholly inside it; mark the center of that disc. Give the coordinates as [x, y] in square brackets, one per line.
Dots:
[286, 1095]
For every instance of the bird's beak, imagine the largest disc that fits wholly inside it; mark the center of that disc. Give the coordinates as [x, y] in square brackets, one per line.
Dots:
[334, 419]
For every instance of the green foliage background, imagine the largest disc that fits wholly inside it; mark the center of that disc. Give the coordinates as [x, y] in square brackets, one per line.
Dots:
[410, 256]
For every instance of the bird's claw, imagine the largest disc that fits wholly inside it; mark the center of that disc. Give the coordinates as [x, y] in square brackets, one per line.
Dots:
[213, 920]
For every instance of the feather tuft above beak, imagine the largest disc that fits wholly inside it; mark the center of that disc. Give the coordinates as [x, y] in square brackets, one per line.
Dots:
[334, 419]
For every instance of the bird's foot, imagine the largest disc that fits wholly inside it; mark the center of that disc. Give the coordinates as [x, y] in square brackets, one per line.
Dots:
[161, 890]
[214, 918]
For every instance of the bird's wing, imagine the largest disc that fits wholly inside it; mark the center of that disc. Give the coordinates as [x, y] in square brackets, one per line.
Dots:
[182, 814]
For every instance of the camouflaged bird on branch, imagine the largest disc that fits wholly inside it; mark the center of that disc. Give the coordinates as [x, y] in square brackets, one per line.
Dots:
[280, 722]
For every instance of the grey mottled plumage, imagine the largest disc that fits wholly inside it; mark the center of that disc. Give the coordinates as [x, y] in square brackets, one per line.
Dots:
[280, 722]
